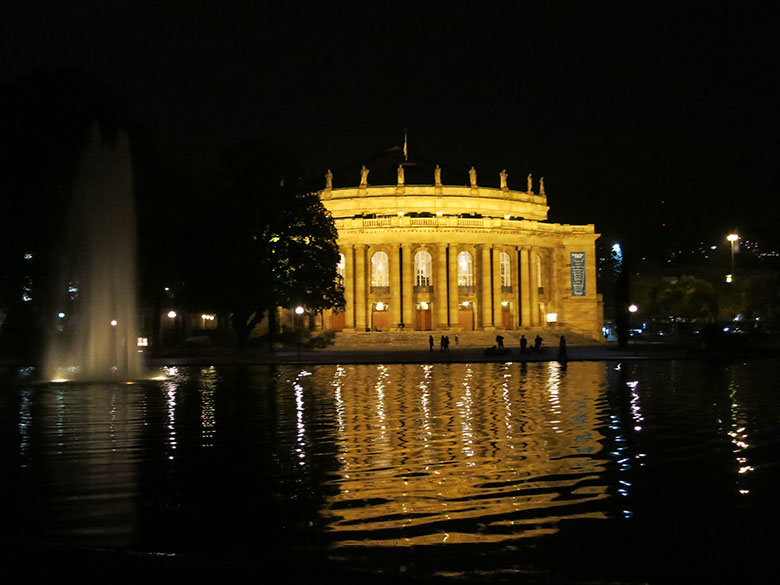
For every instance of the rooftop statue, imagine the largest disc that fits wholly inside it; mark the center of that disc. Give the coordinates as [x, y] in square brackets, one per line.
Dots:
[473, 177]
[437, 176]
[541, 186]
[530, 184]
[503, 175]
[328, 180]
[400, 175]
[364, 176]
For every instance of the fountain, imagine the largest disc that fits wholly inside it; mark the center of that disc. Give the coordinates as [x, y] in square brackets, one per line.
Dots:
[96, 338]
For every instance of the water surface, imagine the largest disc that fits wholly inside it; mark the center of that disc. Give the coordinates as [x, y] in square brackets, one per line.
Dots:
[620, 472]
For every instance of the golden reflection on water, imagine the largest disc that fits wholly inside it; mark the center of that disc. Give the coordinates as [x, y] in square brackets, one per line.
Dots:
[464, 453]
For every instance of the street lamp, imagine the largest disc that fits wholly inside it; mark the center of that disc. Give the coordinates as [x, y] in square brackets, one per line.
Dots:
[732, 238]
[298, 312]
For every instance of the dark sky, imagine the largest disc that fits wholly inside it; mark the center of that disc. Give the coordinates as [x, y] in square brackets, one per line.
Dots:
[619, 105]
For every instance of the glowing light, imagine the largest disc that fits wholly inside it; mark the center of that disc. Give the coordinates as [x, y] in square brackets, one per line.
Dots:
[424, 306]
[61, 315]
[172, 314]
[732, 237]
[208, 317]
[380, 306]
[729, 278]
[465, 304]
[504, 303]
[143, 342]
[59, 380]
[401, 214]
[113, 323]
[439, 213]
[299, 310]
[552, 317]
[632, 308]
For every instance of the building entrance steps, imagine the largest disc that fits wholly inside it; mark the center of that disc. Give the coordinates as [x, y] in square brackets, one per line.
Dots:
[373, 340]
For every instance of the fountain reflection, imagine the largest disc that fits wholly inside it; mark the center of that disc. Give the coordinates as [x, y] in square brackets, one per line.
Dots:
[507, 455]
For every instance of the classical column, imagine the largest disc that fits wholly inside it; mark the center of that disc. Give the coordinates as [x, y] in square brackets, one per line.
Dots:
[408, 272]
[453, 287]
[525, 291]
[497, 308]
[349, 287]
[395, 288]
[440, 286]
[516, 295]
[487, 309]
[534, 287]
[360, 287]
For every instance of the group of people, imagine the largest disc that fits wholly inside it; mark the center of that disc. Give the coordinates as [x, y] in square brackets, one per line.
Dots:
[537, 346]
[444, 344]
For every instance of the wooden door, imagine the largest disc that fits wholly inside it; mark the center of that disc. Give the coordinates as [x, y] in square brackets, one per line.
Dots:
[422, 320]
[381, 320]
[337, 320]
[466, 319]
[506, 317]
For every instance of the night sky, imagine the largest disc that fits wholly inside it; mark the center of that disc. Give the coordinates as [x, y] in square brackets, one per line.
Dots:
[619, 105]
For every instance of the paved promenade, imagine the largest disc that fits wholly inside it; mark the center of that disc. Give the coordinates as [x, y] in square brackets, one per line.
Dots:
[412, 347]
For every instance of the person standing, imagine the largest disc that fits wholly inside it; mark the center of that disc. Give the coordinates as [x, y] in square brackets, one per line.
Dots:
[523, 343]
[456, 340]
[562, 356]
[500, 341]
[430, 342]
[443, 342]
[537, 342]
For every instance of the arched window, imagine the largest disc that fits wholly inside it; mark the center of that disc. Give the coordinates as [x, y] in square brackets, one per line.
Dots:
[422, 268]
[340, 267]
[506, 270]
[465, 269]
[379, 273]
[538, 272]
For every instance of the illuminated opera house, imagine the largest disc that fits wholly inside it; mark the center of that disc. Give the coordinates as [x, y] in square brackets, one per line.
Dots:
[419, 254]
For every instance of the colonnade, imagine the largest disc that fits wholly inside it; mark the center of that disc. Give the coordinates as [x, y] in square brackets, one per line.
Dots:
[485, 302]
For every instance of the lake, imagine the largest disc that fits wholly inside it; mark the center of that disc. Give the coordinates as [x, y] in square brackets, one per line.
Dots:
[632, 471]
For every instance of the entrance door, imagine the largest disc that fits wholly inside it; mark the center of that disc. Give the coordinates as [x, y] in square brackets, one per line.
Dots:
[380, 320]
[466, 319]
[506, 317]
[422, 320]
[337, 320]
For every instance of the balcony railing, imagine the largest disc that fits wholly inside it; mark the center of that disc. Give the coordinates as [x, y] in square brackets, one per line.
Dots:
[423, 289]
[380, 290]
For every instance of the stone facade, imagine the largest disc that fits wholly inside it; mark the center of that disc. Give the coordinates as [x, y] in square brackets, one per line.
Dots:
[455, 258]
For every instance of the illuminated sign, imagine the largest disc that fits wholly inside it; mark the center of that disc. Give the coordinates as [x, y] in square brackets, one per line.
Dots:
[577, 274]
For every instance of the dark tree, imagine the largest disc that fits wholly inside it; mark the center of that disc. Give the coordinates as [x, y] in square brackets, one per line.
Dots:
[264, 242]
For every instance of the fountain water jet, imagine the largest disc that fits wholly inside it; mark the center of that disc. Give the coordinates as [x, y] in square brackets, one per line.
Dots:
[100, 339]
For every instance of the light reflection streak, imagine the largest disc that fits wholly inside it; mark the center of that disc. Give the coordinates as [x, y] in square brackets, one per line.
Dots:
[739, 437]
[465, 404]
[25, 422]
[208, 421]
[170, 387]
[300, 440]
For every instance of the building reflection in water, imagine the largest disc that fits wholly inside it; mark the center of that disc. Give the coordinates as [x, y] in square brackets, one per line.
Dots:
[465, 453]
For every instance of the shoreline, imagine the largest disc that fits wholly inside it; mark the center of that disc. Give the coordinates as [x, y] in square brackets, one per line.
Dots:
[288, 356]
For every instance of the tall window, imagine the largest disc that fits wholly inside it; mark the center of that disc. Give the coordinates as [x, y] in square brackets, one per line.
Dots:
[506, 271]
[422, 268]
[538, 272]
[341, 266]
[465, 269]
[379, 272]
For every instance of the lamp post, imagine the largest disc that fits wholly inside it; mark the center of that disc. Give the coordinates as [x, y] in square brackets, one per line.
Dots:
[632, 309]
[298, 316]
[732, 238]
